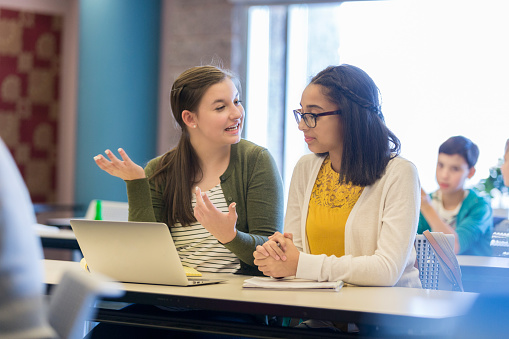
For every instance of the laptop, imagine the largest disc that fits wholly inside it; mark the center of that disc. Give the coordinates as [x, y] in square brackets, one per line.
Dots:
[134, 252]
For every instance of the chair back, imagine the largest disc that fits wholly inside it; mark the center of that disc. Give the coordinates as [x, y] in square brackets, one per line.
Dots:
[500, 238]
[111, 210]
[71, 303]
[431, 273]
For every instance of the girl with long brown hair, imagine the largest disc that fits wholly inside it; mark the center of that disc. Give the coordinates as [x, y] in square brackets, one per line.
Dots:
[220, 195]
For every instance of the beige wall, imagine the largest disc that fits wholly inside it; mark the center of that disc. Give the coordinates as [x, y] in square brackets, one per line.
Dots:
[194, 32]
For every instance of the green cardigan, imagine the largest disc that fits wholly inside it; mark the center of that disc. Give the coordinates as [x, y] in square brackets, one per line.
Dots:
[474, 225]
[251, 180]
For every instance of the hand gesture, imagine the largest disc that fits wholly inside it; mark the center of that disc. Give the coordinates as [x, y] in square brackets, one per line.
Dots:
[220, 225]
[274, 267]
[275, 247]
[124, 169]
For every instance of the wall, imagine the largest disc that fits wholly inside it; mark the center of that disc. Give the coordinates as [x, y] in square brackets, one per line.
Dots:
[68, 9]
[117, 90]
[124, 82]
[194, 32]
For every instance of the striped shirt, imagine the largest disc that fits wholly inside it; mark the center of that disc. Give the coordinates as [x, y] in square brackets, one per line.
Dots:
[198, 248]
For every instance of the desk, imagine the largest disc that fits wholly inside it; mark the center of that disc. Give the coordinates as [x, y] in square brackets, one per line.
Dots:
[58, 238]
[404, 310]
[484, 274]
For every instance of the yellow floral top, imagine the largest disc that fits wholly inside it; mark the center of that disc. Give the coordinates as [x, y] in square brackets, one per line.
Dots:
[329, 207]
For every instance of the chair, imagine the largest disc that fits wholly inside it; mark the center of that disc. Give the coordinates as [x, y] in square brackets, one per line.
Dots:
[71, 303]
[431, 273]
[111, 210]
[500, 238]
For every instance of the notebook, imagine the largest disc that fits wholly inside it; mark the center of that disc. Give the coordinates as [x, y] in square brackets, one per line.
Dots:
[292, 283]
[134, 252]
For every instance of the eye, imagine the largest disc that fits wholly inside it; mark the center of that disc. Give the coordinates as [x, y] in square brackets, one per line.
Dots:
[237, 102]
[220, 108]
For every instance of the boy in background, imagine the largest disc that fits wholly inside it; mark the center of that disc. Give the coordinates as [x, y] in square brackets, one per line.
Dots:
[455, 210]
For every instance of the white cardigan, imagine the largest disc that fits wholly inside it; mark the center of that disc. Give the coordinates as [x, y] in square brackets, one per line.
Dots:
[379, 232]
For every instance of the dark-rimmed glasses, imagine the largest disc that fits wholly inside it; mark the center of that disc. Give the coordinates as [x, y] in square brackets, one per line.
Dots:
[310, 118]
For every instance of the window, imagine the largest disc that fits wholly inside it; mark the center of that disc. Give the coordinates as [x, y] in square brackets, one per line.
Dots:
[441, 67]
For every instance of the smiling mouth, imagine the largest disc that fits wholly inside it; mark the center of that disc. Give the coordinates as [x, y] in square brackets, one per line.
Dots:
[233, 128]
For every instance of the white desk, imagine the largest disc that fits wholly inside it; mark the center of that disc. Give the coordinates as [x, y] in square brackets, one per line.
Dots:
[57, 238]
[400, 309]
[484, 274]
[479, 261]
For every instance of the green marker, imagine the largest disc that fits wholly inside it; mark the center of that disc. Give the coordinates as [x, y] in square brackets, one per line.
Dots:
[98, 210]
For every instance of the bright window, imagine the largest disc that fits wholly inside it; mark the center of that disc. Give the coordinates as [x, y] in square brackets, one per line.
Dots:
[441, 66]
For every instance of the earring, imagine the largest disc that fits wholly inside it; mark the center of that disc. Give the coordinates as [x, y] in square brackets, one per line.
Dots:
[194, 126]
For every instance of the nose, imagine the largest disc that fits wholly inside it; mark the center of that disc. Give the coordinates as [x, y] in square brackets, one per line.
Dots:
[302, 125]
[237, 112]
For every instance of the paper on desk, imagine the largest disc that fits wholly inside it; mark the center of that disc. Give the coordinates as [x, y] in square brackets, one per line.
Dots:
[267, 282]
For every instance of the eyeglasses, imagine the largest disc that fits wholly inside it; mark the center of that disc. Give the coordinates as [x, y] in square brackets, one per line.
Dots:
[310, 118]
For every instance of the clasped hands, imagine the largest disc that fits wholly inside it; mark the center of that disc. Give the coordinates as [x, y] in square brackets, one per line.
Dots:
[220, 225]
[278, 257]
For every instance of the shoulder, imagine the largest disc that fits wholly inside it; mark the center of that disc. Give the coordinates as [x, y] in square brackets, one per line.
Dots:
[310, 160]
[399, 165]
[248, 152]
[308, 163]
[152, 165]
[248, 148]
[248, 157]
[474, 199]
[154, 162]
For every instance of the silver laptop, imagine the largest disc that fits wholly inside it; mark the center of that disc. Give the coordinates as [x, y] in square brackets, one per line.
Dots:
[135, 252]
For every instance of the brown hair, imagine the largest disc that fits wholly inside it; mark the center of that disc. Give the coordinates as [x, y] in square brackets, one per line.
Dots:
[180, 166]
[461, 146]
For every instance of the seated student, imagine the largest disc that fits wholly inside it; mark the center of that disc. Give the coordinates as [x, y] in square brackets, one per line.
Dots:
[21, 286]
[233, 185]
[455, 210]
[220, 196]
[353, 204]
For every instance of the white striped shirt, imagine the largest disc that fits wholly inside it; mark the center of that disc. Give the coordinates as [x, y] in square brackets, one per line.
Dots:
[198, 248]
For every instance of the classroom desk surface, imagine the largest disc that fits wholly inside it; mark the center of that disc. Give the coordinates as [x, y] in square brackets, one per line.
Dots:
[480, 261]
[403, 309]
[484, 274]
[54, 237]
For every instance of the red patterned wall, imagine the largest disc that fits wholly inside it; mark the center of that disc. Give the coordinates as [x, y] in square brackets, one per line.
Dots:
[29, 96]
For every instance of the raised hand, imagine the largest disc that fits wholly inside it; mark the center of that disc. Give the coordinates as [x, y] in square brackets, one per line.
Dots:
[220, 225]
[425, 200]
[124, 169]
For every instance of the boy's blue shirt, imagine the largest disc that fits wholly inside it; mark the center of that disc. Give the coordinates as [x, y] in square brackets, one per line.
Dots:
[474, 225]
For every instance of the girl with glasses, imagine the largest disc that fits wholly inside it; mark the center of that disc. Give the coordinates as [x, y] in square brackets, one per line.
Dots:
[353, 204]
